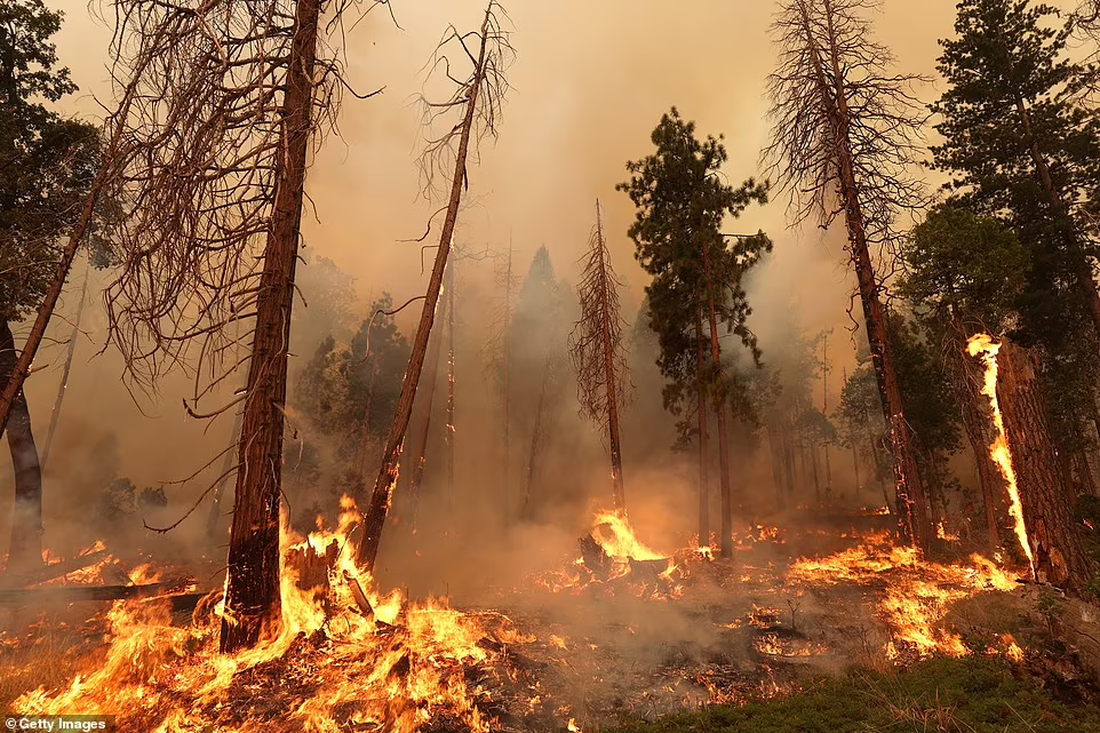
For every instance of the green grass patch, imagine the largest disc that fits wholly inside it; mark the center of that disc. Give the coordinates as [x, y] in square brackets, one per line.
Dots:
[971, 695]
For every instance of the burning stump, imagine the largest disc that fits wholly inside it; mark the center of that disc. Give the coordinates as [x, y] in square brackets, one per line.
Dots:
[595, 559]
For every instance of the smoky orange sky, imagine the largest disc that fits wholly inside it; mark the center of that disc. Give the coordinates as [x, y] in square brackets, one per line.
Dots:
[591, 79]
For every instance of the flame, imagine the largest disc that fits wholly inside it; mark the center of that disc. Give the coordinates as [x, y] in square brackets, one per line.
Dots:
[982, 344]
[616, 536]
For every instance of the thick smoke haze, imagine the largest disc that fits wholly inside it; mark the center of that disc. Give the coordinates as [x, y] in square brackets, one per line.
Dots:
[590, 80]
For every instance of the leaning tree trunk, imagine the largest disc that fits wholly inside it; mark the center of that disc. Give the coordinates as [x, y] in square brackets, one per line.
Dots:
[723, 439]
[701, 408]
[55, 414]
[1041, 479]
[25, 551]
[375, 519]
[252, 599]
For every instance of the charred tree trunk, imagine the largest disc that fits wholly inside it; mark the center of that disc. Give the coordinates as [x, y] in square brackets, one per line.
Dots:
[723, 438]
[56, 413]
[977, 421]
[25, 551]
[375, 518]
[252, 599]
[1048, 514]
[704, 462]
[537, 437]
[219, 488]
[419, 448]
[813, 464]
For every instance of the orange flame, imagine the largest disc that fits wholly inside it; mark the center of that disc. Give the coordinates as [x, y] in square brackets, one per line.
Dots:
[982, 344]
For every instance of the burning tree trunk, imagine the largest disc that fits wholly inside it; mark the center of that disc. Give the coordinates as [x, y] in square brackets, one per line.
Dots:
[25, 551]
[252, 584]
[977, 421]
[701, 408]
[419, 448]
[485, 84]
[596, 346]
[1035, 476]
[56, 413]
[845, 125]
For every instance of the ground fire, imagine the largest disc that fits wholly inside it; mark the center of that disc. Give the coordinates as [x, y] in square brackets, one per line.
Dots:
[727, 370]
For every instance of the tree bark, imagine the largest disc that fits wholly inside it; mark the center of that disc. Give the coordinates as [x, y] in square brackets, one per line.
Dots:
[56, 413]
[381, 495]
[1041, 479]
[252, 599]
[977, 421]
[25, 550]
[449, 434]
[701, 408]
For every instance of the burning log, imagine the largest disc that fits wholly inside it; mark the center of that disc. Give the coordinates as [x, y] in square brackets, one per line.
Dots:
[595, 559]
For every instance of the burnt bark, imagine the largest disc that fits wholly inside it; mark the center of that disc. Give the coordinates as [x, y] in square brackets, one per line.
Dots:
[977, 421]
[252, 599]
[1041, 478]
[25, 550]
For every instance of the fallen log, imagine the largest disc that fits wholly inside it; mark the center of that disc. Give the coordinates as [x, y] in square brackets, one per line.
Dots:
[75, 593]
[49, 572]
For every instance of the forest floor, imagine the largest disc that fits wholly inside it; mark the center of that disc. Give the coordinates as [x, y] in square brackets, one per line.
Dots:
[828, 628]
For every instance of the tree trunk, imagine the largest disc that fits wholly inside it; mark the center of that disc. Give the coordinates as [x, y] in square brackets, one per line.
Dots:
[375, 518]
[25, 551]
[419, 448]
[506, 417]
[778, 480]
[855, 467]
[537, 436]
[701, 410]
[606, 316]
[449, 434]
[912, 504]
[723, 438]
[977, 421]
[56, 413]
[219, 489]
[813, 465]
[1041, 480]
[252, 600]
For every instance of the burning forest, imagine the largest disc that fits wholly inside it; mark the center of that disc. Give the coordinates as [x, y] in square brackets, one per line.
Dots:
[583, 416]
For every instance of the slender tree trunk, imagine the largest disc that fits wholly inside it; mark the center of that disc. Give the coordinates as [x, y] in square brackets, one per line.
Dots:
[25, 550]
[788, 459]
[419, 448]
[778, 467]
[506, 417]
[449, 435]
[813, 464]
[1041, 480]
[537, 436]
[855, 467]
[219, 488]
[704, 462]
[252, 599]
[56, 413]
[723, 439]
[825, 412]
[977, 421]
[379, 506]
